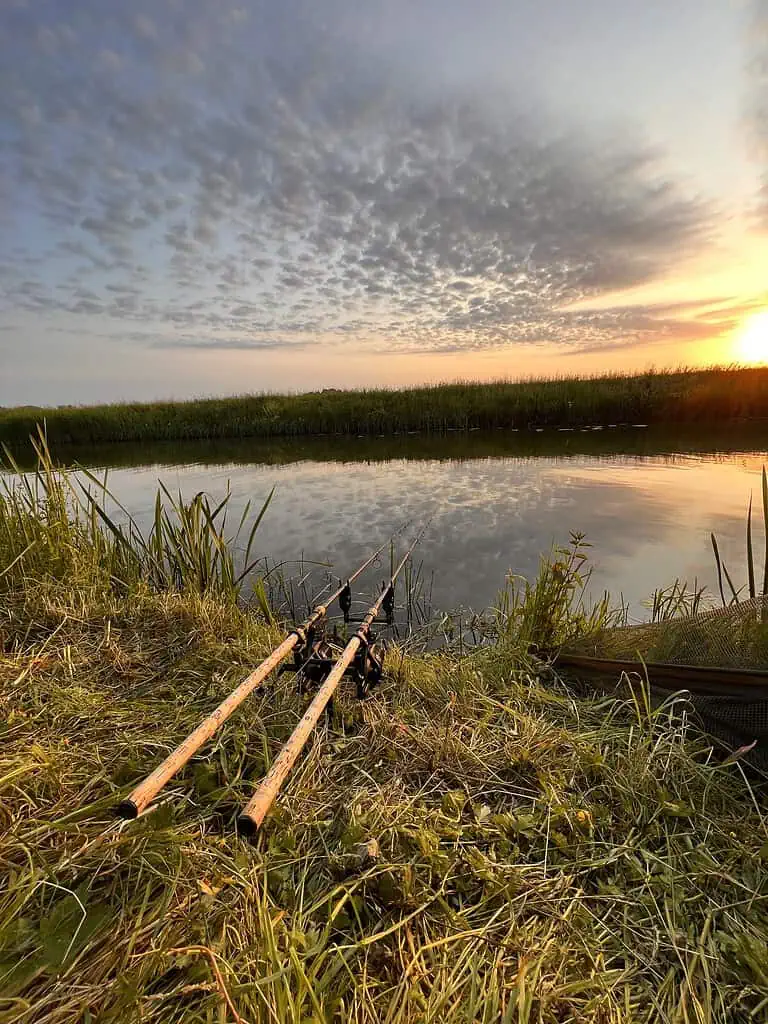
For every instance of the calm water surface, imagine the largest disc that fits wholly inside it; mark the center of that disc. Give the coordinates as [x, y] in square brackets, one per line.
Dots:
[646, 501]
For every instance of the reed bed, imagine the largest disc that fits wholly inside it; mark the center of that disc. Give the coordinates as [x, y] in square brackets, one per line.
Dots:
[69, 524]
[679, 396]
[475, 842]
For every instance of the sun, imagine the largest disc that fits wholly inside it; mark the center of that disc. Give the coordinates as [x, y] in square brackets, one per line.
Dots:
[752, 341]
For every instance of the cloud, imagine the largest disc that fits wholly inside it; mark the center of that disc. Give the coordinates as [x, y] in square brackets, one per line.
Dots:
[758, 66]
[240, 344]
[261, 171]
[623, 327]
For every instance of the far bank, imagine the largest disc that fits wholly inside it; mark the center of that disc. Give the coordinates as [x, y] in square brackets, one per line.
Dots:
[715, 395]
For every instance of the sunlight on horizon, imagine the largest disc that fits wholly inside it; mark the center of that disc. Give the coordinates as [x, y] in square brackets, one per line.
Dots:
[752, 339]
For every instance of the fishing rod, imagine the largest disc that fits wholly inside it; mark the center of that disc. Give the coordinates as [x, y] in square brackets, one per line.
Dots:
[254, 812]
[141, 797]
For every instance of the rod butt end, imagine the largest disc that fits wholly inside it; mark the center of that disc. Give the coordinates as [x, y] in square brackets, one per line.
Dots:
[127, 809]
[246, 826]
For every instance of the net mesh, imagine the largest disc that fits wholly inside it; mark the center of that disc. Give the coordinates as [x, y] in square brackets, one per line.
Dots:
[730, 638]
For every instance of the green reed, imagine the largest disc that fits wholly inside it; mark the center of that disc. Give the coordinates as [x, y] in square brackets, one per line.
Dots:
[553, 609]
[71, 524]
[685, 395]
[736, 594]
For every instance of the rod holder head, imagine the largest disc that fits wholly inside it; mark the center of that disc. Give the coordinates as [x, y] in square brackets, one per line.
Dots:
[345, 601]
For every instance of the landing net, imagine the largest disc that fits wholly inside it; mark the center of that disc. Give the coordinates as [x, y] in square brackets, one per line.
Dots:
[730, 697]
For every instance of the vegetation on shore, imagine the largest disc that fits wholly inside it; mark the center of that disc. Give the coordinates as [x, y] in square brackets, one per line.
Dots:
[683, 396]
[666, 440]
[475, 842]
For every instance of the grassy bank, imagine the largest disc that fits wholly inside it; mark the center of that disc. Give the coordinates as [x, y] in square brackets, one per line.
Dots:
[690, 396]
[472, 843]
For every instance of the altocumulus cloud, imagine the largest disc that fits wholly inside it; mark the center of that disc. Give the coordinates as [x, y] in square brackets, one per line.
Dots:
[270, 175]
[759, 98]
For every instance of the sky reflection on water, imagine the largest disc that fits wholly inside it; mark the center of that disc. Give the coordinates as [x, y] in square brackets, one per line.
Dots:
[647, 517]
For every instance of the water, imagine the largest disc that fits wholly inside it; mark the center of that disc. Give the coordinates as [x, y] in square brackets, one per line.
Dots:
[646, 500]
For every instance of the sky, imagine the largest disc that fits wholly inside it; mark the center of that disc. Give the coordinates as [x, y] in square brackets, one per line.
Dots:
[202, 198]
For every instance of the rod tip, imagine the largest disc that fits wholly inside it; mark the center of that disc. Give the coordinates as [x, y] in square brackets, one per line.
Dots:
[246, 826]
[127, 809]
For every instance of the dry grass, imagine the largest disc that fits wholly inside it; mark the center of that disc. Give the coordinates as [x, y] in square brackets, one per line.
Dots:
[535, 857]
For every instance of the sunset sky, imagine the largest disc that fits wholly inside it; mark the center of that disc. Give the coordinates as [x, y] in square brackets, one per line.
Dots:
[206, 196]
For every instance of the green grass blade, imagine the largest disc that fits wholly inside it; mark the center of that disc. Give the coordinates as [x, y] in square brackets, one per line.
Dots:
[257, 523]
[719, 564]
[750, 555]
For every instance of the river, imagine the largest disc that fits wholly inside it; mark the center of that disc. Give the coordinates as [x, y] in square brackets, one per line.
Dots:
[645, 499]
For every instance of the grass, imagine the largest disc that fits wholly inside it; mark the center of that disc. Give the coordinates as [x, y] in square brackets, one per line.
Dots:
[680, 396]
[474, 843]
[736, 595]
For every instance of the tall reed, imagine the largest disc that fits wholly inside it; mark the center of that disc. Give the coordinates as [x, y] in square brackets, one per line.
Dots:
[685, 395]
[70, 524]
[735, 594]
